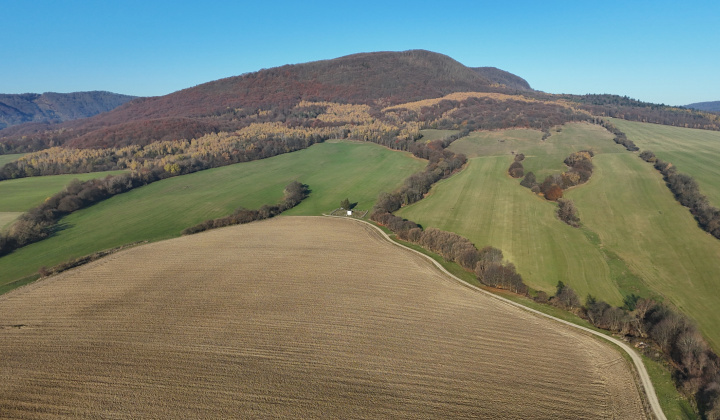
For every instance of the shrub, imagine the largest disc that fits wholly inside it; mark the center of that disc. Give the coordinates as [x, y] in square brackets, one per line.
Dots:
[567, 212]
[648, 156]
[516, 170]
[566, 297]
[529, 181]
[554, 193]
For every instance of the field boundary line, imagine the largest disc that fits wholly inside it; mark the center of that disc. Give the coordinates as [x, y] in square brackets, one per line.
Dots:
[645, 381]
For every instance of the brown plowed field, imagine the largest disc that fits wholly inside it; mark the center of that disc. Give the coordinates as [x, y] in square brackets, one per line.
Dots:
[295, 317]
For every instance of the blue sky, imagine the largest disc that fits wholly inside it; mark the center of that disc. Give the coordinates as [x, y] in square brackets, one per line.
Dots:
[657, 51]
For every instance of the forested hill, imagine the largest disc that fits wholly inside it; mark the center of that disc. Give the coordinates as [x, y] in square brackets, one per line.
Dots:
[379, 79]
[713, 106]
[503, 77]
[56, 107]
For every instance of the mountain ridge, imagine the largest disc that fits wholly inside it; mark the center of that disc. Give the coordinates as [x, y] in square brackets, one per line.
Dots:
[49, 107]
[710, 106]
[376, 78]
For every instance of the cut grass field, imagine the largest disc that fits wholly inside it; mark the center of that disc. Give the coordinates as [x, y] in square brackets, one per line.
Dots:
[694, 152]
[635, 238]
[285, 318]
[10, 158]
[485, 205]
[542, 157]
[19, 195]
[635, 215]
[334, 171]
[488, 207]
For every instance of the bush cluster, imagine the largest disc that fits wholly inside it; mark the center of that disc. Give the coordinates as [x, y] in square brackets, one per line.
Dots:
[580, 170]
[567, 212]
[295, 192]
[516, 169]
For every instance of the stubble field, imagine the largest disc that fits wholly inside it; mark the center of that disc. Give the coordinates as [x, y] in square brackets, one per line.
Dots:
[300, 317]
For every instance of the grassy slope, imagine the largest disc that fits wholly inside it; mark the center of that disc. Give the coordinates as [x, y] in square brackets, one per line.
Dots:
[22, 194]
[490, 208]
[629, 241]
[9, 158]
[694, 152]
[658, 238]
[161, 210]
[542, 157]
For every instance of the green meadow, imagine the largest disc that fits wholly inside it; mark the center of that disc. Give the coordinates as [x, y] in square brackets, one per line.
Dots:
[333, 170]
[634, 237]
[635, 216]
[9, 158]
[694, 152]
[543, 158]
[488, 207]
[18, 195]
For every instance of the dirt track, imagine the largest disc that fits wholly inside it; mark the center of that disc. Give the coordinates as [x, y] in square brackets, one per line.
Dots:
[292, 317]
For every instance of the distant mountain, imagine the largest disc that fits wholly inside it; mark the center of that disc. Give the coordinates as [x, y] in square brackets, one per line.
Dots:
[713, 106]
[379, 79]
[56, 107]
[502, 77]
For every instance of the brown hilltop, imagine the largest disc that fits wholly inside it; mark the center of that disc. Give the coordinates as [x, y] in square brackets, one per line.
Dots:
[383, 78]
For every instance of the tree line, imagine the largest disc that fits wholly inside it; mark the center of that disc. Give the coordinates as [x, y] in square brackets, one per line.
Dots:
[441, 164]
[487, 263]
[687, 192]
[294, 194]
[633, 110]
[488, 113]
[620, 137]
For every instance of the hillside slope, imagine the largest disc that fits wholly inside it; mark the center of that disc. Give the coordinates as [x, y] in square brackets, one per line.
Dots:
[56, 107]
[233, 323]
[382, 78]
